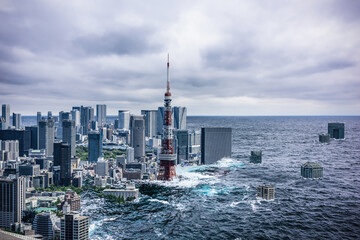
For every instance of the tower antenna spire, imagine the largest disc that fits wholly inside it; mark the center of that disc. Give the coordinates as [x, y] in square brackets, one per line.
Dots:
[168, 75]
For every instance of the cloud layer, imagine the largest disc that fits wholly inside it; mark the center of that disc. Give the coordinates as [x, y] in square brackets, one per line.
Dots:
[227, 58]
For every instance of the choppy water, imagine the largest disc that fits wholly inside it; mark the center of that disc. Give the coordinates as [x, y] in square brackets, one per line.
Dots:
[219, 201]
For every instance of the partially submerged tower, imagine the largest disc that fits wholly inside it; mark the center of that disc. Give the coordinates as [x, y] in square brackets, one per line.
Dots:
[167, 156]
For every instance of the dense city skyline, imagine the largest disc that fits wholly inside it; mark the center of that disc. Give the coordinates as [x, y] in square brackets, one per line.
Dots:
[232, 58]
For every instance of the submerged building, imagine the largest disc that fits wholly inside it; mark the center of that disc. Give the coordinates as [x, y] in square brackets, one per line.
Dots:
[215, 144]
[266, 192]
[336, 130]
[324, 138]
[256, 156]
[311, 170]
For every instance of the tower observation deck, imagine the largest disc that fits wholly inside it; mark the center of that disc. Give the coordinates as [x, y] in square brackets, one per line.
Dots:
[167, 157]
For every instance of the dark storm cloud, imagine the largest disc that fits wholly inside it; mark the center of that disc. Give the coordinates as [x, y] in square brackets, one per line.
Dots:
[132, 41]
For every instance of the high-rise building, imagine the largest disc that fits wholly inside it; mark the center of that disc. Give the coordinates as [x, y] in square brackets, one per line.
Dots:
[94, 146]
[75, 115]
[69, 135]
[182, 145]
[6, 115]
[137, 126]
[49, 114]
[45, 224]
[46, 135]
[74, 227]
[124, 119]
[11, 147]
[150, 122]
[65, 116]
[62, 158]
[102, 167]
[12, 200]
[215, 144]
[101, 114]
[34, 135]
[168, 156]
[17, 120]
[180, 114]
[38, 117]
[130, 155]
[23, 136]
[86, 115]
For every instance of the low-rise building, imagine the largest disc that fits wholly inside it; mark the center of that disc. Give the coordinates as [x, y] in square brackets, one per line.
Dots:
[129, 192]
[311, 170]
[256, 156]
[266, 192]
[324, 138]
[336, 130]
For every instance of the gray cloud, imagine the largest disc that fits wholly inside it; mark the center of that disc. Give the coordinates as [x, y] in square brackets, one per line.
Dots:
[132, 41]
[72, 53]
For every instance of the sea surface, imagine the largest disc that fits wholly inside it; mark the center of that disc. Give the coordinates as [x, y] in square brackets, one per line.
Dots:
[219, 201]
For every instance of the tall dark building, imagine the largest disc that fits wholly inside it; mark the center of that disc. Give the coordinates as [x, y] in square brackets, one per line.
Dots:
[17, 120]
[69, 134]
[46, 135]
[215, 144]
[6, 115]
[12, 200]
[137, 126]
[94, 146]
[62, 158]
[23, 136]
[38, 117]
[182, 145]
[86, 115]
[180, 114]
[34, 136]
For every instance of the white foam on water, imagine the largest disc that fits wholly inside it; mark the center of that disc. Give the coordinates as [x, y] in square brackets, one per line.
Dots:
[160, 201]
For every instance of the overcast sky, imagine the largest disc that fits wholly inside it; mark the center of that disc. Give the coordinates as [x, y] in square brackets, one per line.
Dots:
[226, 57]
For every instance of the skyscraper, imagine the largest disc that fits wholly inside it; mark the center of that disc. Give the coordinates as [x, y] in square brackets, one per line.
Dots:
[34, 135]
[167, 156]
[62, 158]
[180, 114]
[12, 200]
[69, 135]
[38, 117]
[17, 120]
[74, 227]
[150, 122]
[6, 115]
[124, 119]
[46, 135]
[94, 146]
[137, 125]
[75, 114]
[215, 144]
[86, 115]
[101, 114]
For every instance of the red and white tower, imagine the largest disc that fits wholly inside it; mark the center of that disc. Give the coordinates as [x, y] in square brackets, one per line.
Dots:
[167, 156]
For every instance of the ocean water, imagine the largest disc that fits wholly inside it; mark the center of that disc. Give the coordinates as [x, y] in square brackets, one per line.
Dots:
[219, 201]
